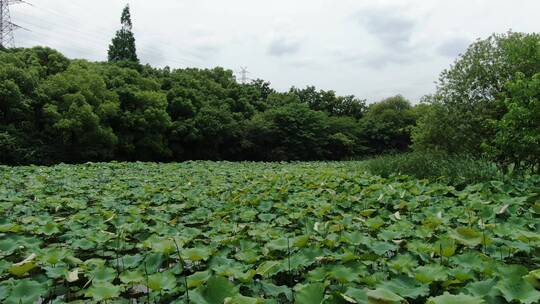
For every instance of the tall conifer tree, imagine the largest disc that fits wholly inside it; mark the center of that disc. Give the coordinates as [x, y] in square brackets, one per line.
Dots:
[123, 44]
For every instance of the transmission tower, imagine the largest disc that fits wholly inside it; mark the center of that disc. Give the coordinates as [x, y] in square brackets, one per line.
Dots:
[243, 75]
[6, 26]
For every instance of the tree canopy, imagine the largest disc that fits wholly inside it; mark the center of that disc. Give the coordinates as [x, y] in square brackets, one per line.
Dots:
[58, 110]
[469, 94]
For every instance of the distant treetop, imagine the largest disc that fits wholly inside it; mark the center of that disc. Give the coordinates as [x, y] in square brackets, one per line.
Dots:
[123, 46]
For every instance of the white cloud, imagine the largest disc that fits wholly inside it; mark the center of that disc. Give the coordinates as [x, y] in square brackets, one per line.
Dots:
[281, 46]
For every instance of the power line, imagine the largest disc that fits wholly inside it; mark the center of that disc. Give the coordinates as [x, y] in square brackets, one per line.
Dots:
[6, 26]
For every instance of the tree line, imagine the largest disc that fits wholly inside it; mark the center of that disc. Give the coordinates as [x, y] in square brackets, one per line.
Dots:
[53, 109]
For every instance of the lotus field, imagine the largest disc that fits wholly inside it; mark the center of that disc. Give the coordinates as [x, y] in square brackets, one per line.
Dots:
[217, 232]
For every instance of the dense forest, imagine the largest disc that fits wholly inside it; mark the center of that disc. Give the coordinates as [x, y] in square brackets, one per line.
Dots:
[54, 109]
[58, 110]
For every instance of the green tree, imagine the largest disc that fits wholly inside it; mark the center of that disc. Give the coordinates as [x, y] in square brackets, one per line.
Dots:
[123, 47]
[517, 139]
[77, 111]
[289, 132]
[387, 125]
[468, 94]
[330, 103]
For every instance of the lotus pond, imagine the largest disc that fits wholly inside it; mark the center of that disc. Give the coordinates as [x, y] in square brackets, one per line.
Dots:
[217, 232]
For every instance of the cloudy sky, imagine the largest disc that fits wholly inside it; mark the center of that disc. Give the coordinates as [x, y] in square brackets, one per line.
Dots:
[371, 49]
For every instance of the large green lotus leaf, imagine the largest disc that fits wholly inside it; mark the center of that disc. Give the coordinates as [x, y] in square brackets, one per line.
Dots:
[165, 246]
[244, 277]
[7, 247]
[198, 278]
[309, 294]
[249, 256]
[25, 292]
[486, 290]
[217, 289]
[518, 290]
[527, 236]
[381, 248]
[512, 272]
[275, 291]
[4, 291]
[383, 295]
[128, 277]
[53, 256]
[266, 217]
[430, 273]
[471, 260]
[196, 254]
[131, 261]
[404, 263]
[240, 299]
[49, 228]
[374, 223]
[406, 287]
[318, 274]
[248, 215]
[269, 268]
[102, 291]
[447, 298]
[281, 244]
[84, 244]
[354, 295]
[467, 236]
[95, 263]
[355, 238]
[161, 281]
[153, 261]
[300, 260]
[101, 275]
[10, 227]
[57, 271]
[343, 274]
[300, 241]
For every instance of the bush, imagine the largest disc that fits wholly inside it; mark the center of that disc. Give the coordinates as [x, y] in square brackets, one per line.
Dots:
[457, 170]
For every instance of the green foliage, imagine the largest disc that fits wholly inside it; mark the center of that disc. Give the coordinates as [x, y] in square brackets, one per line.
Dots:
[123, 46]
[454, 169]
[292, 131]
[310, 294]
[517, 138]
[467, 99]
[59, 110]
[219, 232]
[77, 113]
[387, 125]
[440, 128]
[328, 102]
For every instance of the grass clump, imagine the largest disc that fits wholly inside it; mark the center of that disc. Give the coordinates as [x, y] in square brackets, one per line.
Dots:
[453, 169]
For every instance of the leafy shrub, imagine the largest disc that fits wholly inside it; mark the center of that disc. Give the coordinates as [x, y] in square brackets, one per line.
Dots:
[454, 169]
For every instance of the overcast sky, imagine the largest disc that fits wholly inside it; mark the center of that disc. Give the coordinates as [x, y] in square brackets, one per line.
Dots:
[371, 49]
